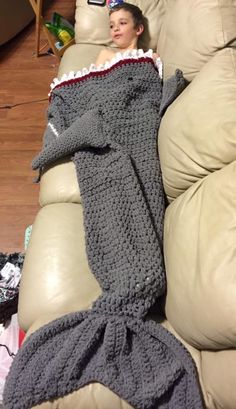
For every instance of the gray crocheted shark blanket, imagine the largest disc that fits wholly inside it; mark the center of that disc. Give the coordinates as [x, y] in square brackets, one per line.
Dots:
[107, 121]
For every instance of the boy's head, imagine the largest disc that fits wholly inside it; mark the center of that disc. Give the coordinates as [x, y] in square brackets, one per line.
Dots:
[126, 24]
[135, 11]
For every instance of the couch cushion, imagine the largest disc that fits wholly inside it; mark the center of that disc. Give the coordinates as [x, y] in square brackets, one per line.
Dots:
[197, 133]
[191, 34]
[199, 248]
[59, 184]
[56, 278]
[219, 377]
[217, 374]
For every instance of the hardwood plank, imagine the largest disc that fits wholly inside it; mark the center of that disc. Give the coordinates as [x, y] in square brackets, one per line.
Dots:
[11, 190]
[24, 79]
[16, 219]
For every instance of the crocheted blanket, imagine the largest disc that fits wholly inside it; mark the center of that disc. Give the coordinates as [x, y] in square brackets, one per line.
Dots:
[107, 121]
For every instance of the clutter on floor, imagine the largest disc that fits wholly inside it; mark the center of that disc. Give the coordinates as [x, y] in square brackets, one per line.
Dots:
[11, 336]
[10, 273]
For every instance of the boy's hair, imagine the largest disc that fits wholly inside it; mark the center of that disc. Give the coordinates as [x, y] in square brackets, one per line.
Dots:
[135, 11]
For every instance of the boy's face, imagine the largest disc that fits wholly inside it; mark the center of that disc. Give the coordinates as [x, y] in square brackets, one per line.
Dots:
[123, 32]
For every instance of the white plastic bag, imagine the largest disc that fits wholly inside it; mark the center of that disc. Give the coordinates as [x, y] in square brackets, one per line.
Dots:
[9, 345]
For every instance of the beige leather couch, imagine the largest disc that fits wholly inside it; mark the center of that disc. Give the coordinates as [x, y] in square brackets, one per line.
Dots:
[14, 16]
[197, 145]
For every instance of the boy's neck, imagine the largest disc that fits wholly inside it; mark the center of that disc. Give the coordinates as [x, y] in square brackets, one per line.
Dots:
[122, 50]
[130, 47]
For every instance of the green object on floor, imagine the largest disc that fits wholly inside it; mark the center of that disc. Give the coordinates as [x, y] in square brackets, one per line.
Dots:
[27, 235]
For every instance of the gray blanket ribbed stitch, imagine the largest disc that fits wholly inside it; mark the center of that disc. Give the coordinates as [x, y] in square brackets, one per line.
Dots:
[108, 122]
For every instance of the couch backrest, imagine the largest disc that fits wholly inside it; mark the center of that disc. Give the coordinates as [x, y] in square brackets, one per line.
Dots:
[185, 33]
[193, 31]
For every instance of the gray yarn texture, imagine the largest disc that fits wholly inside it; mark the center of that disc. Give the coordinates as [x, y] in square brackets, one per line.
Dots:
[107, 122]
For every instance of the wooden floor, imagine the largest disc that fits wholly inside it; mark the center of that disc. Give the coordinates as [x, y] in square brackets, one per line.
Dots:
[23, 79]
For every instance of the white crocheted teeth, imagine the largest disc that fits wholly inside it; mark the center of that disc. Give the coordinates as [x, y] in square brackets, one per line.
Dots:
[53, 129]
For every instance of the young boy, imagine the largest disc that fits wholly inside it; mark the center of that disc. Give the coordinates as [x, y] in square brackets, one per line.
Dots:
[126, 26]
